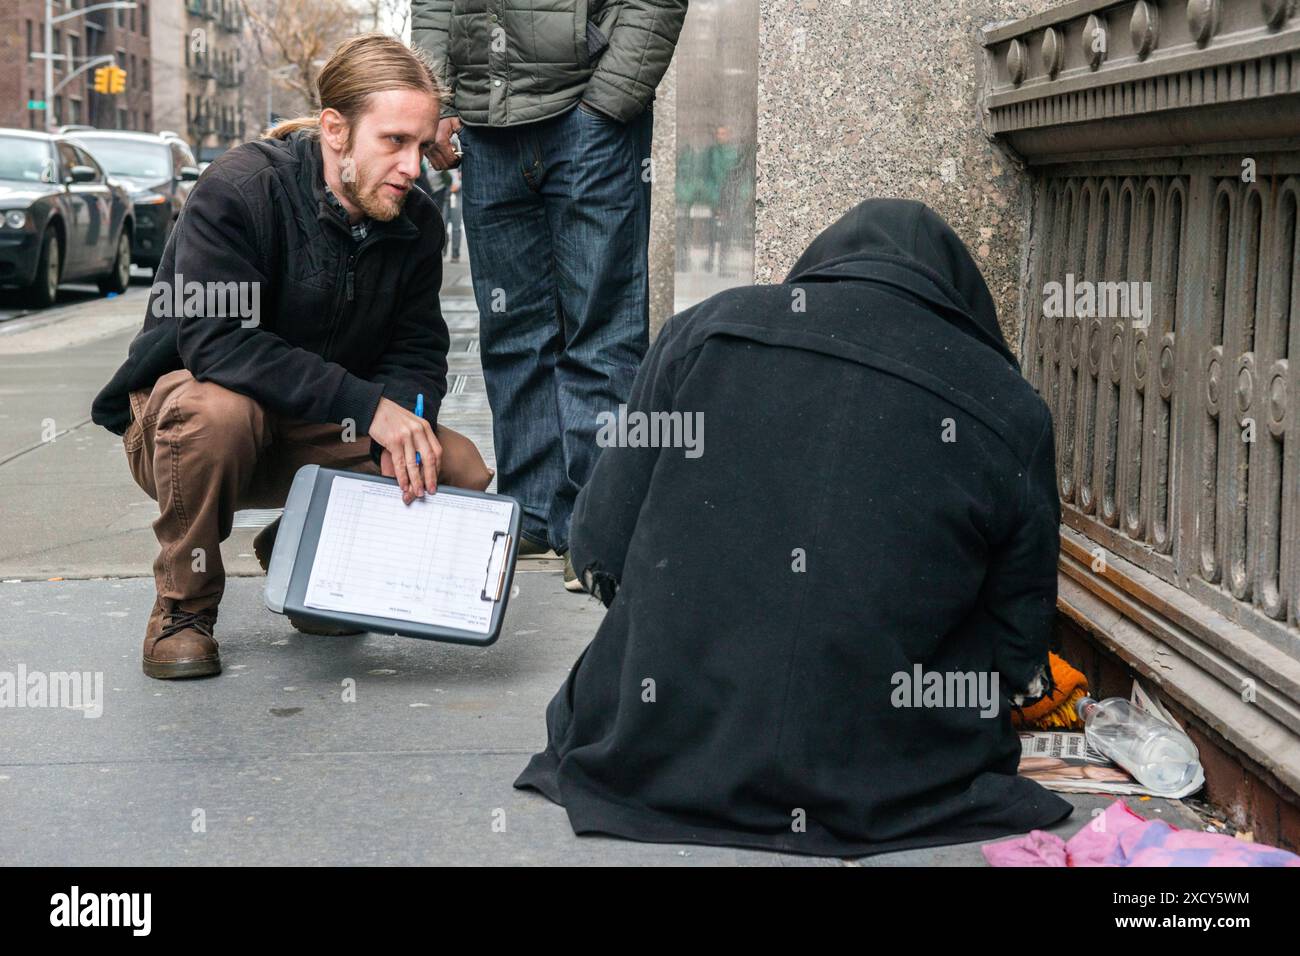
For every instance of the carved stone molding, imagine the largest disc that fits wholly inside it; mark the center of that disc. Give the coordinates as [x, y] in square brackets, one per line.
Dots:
[1175, 72]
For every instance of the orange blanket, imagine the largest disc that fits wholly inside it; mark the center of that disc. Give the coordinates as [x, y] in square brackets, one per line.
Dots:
[1056, 710]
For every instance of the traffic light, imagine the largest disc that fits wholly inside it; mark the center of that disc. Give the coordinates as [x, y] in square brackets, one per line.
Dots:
[110, 79]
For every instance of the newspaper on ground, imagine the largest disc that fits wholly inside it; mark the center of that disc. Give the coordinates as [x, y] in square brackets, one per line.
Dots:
[1064, 760]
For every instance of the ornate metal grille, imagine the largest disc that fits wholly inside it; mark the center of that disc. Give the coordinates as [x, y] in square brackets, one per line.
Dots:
[1161, 144]
[1171, 413]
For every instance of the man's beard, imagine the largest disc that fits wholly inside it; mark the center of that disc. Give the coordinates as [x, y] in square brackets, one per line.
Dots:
[370, 201]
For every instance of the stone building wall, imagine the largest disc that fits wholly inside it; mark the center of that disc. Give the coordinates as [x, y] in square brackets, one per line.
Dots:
[864, 99]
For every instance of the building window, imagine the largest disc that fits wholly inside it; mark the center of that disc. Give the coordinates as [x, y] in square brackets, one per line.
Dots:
[121, 119]
[146, 67]
[31, 114]
[58, 111]
[119, 17]
[144, 21]
[74, 111]
[30, 51]
[148, 125]
[132, 13]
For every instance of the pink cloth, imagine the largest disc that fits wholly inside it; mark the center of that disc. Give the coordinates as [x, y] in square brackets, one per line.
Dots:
[1119, 837]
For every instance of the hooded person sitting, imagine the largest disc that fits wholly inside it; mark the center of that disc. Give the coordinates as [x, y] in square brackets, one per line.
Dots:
[820, 616]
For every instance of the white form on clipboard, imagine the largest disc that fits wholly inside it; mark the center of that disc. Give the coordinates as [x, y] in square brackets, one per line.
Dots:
[439, 560]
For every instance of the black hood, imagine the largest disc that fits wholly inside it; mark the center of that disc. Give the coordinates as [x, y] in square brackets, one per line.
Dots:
[906, 245]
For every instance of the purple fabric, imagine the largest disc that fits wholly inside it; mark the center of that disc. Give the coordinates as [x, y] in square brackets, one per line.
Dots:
[1119, 837]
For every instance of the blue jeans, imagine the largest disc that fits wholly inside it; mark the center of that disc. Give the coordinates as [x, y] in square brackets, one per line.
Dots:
[557, 216]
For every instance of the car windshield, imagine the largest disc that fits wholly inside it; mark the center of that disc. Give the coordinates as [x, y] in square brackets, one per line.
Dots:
[124, 157]
[24, 159]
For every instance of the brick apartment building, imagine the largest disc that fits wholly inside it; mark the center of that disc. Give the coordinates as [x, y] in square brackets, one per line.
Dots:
[220, 104]
[186, 63]
[123, 34]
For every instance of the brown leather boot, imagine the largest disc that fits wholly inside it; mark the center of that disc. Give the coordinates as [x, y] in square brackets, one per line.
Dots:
[180, 643]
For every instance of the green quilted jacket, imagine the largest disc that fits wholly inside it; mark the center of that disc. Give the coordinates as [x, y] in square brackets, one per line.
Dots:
[520, 61]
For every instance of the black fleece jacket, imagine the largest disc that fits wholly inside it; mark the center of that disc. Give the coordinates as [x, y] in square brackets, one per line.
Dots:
[339, 324]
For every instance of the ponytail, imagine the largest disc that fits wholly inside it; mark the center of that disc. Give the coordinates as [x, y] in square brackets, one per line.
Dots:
[284, 128]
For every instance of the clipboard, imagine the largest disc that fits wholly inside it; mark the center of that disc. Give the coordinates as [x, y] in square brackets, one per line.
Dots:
[439, 569]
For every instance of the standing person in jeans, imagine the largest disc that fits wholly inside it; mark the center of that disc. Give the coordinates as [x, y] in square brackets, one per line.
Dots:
[553, 112]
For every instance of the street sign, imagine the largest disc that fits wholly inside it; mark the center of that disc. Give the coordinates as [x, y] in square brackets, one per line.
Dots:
[36, 104]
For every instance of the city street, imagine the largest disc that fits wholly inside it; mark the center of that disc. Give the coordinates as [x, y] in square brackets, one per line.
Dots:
[267, 763]
[13, 308]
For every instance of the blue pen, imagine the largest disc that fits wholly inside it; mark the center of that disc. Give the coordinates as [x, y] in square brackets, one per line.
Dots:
[419, 413]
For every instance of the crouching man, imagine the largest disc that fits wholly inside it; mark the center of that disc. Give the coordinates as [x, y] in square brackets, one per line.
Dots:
[336, 265]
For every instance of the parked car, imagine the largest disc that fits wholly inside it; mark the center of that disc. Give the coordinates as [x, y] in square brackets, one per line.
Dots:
[158, 171]
[61, 219]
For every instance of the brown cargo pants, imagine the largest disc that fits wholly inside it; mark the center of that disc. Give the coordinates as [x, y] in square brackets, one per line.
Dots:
[202, 452]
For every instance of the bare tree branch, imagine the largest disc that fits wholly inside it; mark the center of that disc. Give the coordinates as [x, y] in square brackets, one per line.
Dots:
[300, 33]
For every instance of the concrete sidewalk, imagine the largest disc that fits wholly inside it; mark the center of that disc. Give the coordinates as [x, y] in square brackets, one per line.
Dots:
[281, 770]
[269, 764]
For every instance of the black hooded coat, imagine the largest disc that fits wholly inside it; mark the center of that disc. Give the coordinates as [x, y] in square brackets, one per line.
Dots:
[875, 502]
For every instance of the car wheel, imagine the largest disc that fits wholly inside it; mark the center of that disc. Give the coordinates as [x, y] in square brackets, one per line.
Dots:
[44, 289]
[120, 278]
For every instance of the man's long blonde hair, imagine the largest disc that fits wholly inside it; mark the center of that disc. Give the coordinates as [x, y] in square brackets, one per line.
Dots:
[360, 66]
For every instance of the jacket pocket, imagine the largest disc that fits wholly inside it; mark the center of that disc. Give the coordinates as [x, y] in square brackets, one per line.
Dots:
[597, 43]
[580, 25]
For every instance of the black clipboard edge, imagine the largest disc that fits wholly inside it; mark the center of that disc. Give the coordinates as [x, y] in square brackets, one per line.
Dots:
[292, 518]
[304, 554]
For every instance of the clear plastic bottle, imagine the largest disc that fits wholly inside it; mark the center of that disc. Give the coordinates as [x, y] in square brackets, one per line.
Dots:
[1160, 757]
